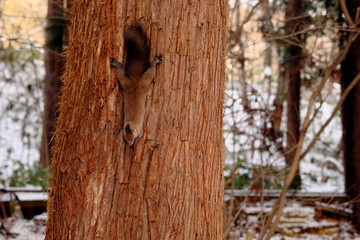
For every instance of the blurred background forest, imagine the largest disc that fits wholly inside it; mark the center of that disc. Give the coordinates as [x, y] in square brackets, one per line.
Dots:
[264, 55]
[282, 101]
[22, 26]
[255, 123]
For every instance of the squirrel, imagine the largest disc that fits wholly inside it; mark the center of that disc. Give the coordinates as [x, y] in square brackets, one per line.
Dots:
[135, 79]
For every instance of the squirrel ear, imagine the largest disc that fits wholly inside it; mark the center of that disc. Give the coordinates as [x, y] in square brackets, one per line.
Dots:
[128, 129]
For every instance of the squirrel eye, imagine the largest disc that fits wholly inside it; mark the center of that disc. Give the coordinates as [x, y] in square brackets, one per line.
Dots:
[128, 129]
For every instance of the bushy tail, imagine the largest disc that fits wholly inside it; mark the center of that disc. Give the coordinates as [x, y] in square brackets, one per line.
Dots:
[137, 51]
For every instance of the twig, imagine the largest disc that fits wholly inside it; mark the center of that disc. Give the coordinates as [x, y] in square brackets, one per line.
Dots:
[346, 13]
[321, 130]
[250, 14]
[236, 214]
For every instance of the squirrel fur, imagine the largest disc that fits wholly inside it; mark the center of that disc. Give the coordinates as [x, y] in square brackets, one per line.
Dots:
[135, 78]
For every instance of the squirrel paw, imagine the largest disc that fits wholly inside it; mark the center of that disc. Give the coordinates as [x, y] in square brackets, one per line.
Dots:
[157, 59]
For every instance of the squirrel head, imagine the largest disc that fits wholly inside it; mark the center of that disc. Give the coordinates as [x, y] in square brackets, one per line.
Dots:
[131, 135]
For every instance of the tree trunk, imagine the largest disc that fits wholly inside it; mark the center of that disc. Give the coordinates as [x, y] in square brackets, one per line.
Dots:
[293, 59]
[54, 65]
[277, 112]
[267, 28]
[169, 186]
[350, 67]
[280, 97]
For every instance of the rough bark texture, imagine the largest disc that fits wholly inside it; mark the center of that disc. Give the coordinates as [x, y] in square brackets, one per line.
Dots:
[54, 65]
[350, 67]
[293, 59]
[170, 185]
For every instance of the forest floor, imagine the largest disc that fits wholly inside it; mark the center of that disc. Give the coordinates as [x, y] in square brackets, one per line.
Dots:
[21, 229]
[300, 221]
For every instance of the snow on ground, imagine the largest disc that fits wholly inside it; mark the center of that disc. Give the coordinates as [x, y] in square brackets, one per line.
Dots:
[22, 229]
[299, 221]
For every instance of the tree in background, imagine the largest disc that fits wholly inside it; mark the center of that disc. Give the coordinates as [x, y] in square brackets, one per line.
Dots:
[54, 66]
[350, 69]
[169, 186]
[292, 66]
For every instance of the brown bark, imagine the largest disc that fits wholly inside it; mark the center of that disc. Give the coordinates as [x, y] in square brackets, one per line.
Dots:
[170, 185]
[293, 55]
[350, 67]
[54, 65]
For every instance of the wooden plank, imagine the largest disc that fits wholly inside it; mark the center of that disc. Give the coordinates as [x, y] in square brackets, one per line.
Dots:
[21, 189]
[290, 194]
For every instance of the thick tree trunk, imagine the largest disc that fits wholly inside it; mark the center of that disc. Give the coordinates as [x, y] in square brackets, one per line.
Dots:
[54, 65]
[293, 59]
[169, 186]
[350, 67]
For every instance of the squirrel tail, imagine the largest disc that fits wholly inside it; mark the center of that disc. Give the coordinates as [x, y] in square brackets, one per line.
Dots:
[137, 48]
